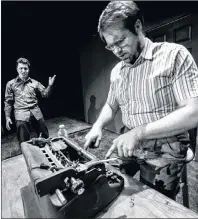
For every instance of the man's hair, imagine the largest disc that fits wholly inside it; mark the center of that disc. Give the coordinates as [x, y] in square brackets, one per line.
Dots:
[120, 11]
[23, 61]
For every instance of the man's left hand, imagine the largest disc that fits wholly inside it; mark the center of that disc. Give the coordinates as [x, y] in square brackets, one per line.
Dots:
[125, 143]
[51, 80]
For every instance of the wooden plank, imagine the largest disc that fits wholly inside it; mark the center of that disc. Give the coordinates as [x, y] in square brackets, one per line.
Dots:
[140, 201]
[147, 204]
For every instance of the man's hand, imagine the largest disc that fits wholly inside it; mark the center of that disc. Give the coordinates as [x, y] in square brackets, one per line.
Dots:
[51, 80]
[125, 144]
[8, 122]
[94, 135]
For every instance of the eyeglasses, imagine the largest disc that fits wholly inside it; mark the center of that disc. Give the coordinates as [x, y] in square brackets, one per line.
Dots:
[119, 43]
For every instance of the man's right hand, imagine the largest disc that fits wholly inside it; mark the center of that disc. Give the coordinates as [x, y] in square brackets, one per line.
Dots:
[94, 135]
[8, 122]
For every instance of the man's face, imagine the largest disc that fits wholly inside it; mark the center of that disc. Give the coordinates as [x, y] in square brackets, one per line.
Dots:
[23, 71]
[123, 43]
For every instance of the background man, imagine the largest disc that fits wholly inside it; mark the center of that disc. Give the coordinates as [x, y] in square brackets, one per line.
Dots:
[155, 85]
[21, 93]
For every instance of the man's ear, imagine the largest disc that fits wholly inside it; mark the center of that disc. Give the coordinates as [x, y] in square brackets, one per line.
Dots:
[138, 26]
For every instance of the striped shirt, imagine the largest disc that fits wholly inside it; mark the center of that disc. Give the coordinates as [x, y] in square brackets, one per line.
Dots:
[23, 96]
[164, 74]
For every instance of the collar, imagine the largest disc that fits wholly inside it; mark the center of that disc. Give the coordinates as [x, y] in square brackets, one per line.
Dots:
[18, 79]
[147, 52]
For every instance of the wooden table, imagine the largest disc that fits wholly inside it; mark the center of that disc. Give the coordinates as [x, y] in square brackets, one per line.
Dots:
[136, 200]
[140, 201]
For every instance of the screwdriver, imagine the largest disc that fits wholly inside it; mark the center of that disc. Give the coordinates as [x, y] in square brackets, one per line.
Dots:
[110, 159]
[86, 166]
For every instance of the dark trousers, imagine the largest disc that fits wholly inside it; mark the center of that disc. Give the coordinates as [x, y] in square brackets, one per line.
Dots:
[24, 129]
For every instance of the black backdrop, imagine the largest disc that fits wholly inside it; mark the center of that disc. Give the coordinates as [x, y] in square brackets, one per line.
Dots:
[50, 34]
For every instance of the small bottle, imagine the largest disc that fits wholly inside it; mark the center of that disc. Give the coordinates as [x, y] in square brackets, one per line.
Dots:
[62, 132]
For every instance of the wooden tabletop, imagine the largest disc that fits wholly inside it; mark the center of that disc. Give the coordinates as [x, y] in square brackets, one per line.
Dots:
[140, 201]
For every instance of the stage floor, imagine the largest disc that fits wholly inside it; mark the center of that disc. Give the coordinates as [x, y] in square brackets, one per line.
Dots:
[15, 178]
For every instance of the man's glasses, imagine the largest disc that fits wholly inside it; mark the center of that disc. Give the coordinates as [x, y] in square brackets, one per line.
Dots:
[119, 43]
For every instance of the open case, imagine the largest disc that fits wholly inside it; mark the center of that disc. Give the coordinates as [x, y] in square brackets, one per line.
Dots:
[72, 182]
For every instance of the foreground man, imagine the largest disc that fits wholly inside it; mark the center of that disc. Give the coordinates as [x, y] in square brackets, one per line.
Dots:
[21, 93]
[155, 85]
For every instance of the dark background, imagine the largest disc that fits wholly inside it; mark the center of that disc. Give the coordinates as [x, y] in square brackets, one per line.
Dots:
[51, 34]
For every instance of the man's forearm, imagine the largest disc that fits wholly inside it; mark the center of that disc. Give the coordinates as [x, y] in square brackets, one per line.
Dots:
[175, 123]
[7, 110]
[106, 116]
[47, 92]
[7, 114]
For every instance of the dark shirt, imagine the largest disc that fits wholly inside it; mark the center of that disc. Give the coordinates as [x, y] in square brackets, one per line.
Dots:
[23, 96]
